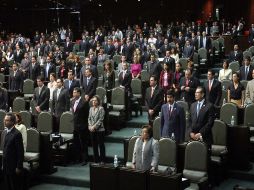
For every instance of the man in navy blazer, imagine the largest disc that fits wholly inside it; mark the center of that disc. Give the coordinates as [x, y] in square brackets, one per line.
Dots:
[172, 119]
[71, 83]
[246, 69]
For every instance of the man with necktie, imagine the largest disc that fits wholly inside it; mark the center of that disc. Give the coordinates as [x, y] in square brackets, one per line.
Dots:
[70, 83]
[172, 119]
[153, 99]
[246, 69]
[202, 116]
[89, 85]
[80, 110]
[13, 154]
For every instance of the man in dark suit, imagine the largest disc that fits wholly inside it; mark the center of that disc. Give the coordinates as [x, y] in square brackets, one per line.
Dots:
[205, 42]
[49, 67]
[109, 48]
[15, 78]
[41, 96]
[60, 102]
[84, 45]
[89, 85]
[80, 109]
[13, 154]
[88, 65]
[188, 85]
[201, 118]
[34, 69]
[170, 61]
[188, 50]
[68, 46]
[18, 54]
[236, 55]
[251, 35]
[125, 78]
[172, 119]
[246, 69]
[154, 66]
[153, 99]
[213, 89]
[71, 83]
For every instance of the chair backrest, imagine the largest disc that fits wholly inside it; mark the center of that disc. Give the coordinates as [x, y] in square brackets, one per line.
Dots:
[2, 141]
[227, 111]
[234, 65]
[249, 115]
[216, 45]
[157, 128]
[167, 149]
[224, 95]
[136, 85]
[244, 83]
[2, 77]
[145, 75]
[184, 105]
[101, 92]
[195, 156]
[33, 140]
[2, 115]
[66, 123]
[19, 104]
[100, 70]
[202, 53]
[251, 49]
[45, 122]
[131, 145]
[117, 59]
[26, 117]
[225, 84]
[247, 53]
[183, 62]
[118, 96]
[195, 59]
[81, 53]
[219, 131]
[28, 87]
[221, 41]
[32, 106]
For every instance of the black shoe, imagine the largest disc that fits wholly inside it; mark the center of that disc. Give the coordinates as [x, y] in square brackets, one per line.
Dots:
[84, 163]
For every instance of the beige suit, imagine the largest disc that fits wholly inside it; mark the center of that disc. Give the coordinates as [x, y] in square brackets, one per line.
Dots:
[249, 92]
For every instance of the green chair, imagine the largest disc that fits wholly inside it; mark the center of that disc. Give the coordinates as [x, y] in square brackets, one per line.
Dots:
[66, 126]
[183, 62]
[202, 54]
[117, 59]
[225, 84]
[144, 76]
[26, 117]
[2, 115]
[28, 88]
[157, 128]
[224, 96]
[45, 122]
[102, 93]
[131, 145]
[19, 104]
[167, 157]
[227, 111]
[251, 49]
[247, 53]
[234, 66]
[2, 78]
[244, 83]
[195, 165]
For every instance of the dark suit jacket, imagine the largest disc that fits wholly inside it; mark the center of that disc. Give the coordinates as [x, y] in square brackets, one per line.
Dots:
[52, 69]
[42, 100]
[35, 71]
[173, 123]
[110, 50]
[126, 81]
[74, 84]
[68, 48]
[238, 57]
[18, 58]
[208, 44]
[94, 73]
[193, 84]
[171, 62]
[81, 114]
[84, 46]
[188, 52]
[16, 82]
[155, 101]
[3, 99]
[215, 94]
[61, 104]
[13, 151]
[204, 122]
[242, 73]
[89, 89]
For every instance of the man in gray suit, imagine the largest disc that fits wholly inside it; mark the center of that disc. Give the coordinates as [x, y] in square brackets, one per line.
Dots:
[60, 102]
[146, 151]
